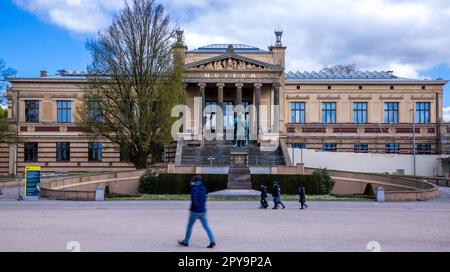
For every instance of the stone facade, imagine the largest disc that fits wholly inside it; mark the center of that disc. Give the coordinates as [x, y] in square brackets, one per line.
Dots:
[239, 74]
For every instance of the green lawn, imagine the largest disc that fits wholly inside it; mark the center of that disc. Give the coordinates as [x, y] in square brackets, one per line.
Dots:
[284, 198]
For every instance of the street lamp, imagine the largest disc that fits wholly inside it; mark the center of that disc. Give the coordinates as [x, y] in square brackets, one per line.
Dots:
[414, 137]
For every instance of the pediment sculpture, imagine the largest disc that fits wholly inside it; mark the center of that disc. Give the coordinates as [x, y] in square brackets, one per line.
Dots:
[230, 64]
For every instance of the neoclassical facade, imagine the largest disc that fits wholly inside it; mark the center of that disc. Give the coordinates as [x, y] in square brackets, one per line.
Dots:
[338, 112]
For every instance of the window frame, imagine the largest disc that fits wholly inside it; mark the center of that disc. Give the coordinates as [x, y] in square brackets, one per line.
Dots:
[422, 151]
[95, 152]
[95, 111]
[360, 112]
[391, 112]
[34, 155]
[332, 149]
[396, 148]
[298, 109]
[356, 148]
[32, 114]
[423, 112]
[329, 112]
[64, 111]
[63, 151]
[298, 145]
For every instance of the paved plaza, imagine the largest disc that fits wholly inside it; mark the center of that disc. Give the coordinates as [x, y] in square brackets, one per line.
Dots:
[238, 226]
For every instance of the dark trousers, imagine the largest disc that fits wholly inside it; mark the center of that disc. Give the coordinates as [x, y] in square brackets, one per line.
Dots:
[277, 201]
[303, 204]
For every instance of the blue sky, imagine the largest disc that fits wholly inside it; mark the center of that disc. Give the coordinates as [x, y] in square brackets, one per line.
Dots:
[409, 37]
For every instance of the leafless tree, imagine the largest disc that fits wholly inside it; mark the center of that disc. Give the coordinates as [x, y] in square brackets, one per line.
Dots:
[134, 81]
[7, 128]
[341, 69]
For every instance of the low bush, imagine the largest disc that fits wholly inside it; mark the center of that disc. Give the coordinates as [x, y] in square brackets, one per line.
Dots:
[319, 183]
[178, 184]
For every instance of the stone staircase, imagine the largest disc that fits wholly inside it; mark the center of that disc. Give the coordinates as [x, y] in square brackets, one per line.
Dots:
[217, 153]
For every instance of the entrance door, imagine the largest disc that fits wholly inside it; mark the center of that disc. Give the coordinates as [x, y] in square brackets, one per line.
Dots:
[210, 116]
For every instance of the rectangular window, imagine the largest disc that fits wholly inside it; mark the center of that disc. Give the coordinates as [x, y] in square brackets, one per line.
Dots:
[299, 145]
[64, 111]
[95, 152]
[392, 148]
[31, 152]
[329, 147]
[360, 112]
[298, 112]
[124, 154]
[361, 148]
[328, 112]
[63, 151]
[391, 112]
[423, 112]
[32, 111]
[95, 111]
[423, 149]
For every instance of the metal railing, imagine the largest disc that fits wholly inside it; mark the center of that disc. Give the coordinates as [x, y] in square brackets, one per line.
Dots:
[269, 160]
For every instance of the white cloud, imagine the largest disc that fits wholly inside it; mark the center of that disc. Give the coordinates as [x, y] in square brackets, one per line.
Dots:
[79, 16]
[400, 35]
[447, 114]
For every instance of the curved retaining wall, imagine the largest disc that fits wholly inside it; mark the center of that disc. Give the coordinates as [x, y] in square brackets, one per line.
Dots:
[83, 187]
[347, 183]
[396, 188]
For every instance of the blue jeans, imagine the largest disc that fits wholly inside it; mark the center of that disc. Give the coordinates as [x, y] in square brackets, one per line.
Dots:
[192, 218]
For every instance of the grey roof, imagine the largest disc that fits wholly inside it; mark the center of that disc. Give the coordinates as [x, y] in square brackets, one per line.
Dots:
[355, 76]
[329, 75]
[222, 48]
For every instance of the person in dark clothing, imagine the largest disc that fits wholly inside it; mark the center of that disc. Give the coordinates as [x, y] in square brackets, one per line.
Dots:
[198, 211]
[264, 203]
[276, 196]
[302, 195]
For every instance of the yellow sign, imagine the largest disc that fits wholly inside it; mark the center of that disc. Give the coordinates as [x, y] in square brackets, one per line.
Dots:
[32, 180]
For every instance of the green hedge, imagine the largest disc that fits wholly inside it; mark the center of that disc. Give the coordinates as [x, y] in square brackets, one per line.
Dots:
[178, 184]
[319, 183]
[289, 184]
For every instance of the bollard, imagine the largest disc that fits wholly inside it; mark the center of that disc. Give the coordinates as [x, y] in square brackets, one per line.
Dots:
[380, 194]
[100, 193]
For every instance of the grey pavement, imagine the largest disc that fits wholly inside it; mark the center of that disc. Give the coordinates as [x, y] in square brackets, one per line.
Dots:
[46, 225]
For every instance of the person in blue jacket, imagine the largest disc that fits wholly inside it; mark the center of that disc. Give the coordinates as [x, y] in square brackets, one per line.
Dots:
[198, 211]
[276, 194]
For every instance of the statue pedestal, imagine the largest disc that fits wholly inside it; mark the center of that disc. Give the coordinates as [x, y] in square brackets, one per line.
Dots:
[239, 158]
[239, 174]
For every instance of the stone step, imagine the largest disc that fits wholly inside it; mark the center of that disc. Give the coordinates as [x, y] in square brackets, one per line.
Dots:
[239, 185]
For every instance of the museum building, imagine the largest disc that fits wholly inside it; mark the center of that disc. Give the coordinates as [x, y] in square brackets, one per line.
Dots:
[355, 111]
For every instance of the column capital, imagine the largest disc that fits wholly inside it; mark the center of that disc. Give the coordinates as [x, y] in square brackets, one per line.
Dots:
[257, 85]
[276, 84]
[185, 85]
[239, 85]
[220, 85]
[202, 85]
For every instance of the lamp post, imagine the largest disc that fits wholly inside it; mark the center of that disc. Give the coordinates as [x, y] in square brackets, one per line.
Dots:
[414, 137]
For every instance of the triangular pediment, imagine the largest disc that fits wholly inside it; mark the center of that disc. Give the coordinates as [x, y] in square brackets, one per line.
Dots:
[232, 62]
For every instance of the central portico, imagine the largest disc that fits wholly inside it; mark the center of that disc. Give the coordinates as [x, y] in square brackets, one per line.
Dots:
[234, 74]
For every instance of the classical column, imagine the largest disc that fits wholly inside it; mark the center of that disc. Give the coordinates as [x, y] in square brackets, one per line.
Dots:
[220, 87]
[238, 100]
[219, 113]
[276, 112]
[276, 94]
[201, 93]
[257, 104]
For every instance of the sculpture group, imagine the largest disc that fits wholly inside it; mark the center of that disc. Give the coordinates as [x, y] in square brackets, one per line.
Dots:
[231, 64]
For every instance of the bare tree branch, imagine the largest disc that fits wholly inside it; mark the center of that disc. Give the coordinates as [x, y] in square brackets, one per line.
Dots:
[137, 80]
